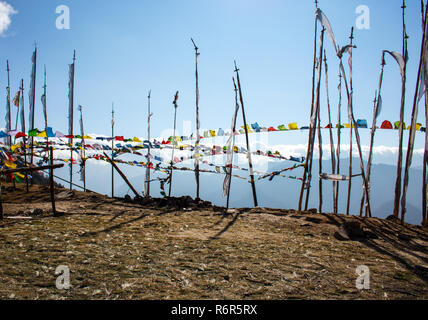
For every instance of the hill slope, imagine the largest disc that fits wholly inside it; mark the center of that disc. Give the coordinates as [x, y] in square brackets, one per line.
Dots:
[125, 250]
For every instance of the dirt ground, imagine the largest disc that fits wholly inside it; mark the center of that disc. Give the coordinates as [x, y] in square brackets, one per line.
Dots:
[124, 250]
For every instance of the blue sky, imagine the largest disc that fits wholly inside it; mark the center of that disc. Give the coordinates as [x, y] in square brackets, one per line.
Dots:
[126, 48]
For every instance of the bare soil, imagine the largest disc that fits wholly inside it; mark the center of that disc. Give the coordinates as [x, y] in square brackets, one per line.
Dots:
[119, 249]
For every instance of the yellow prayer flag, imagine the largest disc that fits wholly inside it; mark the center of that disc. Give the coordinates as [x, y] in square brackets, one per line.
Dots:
[293, 126]
[42, 134]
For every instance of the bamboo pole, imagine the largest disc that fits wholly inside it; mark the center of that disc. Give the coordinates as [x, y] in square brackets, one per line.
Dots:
[339, 129]
[112, 149]
[412, 133]
[173, 143]
[305, 172]
[197, 54]
[147, 184]
[398, 181]
[250, 163]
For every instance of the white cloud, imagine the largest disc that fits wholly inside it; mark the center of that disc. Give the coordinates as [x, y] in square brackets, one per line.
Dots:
[6, 11]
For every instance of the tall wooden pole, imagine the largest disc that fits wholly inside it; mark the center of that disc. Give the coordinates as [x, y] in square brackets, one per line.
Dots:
[355, 127]
[197, 54]
[305, 173]
[348, 203]
[8, 105]
[401, 128]
[332, 151]
[51, 181]
[377, 104]
[9, 127]
[173, 143]
[425, 158]
[149, 115]
[45, 101]
[33, 103]
[82, 132]
[320, 153]
[425, 164]
[24, 139]
[314, 118]
[71, 111]
[232, 136]
[250, 163]
[112, 150]
[339, 130]
[363, 197]
[415, 111]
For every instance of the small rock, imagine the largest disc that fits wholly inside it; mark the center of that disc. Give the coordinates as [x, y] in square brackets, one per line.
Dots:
[341, 234]
[354, 229]
[313, 211]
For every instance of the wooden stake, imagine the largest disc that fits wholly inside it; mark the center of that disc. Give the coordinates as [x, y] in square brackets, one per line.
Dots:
[250, 163]
[305, 172]
[173, 143]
